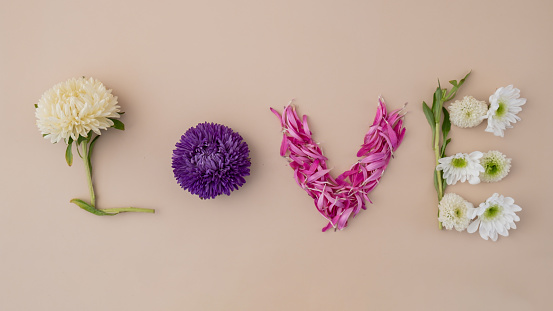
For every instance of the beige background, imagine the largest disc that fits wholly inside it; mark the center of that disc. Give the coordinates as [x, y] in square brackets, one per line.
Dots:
[174, 64]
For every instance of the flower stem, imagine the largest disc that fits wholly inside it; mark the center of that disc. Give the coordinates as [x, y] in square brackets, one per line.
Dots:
[86, 146]
[434, 118]
[438, 174]
[128, 209]
[437, 154]
[88, 167]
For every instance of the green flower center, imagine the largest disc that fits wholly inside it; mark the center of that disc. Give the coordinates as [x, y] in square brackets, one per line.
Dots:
[458, 213]
[492, 212]
[501, 110]
[459, 162]
[492, 168]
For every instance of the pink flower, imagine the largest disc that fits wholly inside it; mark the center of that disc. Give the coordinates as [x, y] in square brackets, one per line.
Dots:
[338, 199]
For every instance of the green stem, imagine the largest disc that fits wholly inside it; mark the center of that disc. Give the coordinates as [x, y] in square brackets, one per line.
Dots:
[86, 146]
[88, 167]
[439, 175]
[437, 154]
[128, 209]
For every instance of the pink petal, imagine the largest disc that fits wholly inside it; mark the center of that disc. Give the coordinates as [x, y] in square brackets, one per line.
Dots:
[337, 199]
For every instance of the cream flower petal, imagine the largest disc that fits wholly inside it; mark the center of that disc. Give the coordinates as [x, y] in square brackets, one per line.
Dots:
[468, 112]
[455, 212]
[496, 166]
[74, 108]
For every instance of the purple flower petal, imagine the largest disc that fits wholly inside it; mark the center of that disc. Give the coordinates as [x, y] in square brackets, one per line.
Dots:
[211, 159]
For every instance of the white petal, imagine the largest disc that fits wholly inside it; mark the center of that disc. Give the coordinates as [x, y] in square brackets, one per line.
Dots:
[475, 155]
[493, 235]
[473, 226]
[483, 231]
[474, 180]
[504, 232]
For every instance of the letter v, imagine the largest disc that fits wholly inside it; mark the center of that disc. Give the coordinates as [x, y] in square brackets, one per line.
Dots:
[338, 199]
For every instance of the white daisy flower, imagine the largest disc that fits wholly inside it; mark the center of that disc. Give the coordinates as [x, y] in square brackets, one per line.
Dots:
[496, 166]
[455, 212]
[74, 108]
[468, 112]
[504, 105]
[495, 216]
[461, 167]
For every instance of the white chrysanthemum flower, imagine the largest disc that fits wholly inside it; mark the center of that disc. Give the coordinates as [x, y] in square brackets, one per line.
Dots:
[495, 216]
[468, 112]
[504, 105]
[74, 108]
[496, 166]
[461, 167]
[455, 212]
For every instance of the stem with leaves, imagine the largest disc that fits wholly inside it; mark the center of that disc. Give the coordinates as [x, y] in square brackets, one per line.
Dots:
[440, 129]
[84, 146]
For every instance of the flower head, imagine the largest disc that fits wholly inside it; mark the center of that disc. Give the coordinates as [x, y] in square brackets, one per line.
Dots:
[455, 212]
[504, 105]
[461, 167]
[74, 108]
[211, 159]
[496, 166]
[468, 112]
[495, 216]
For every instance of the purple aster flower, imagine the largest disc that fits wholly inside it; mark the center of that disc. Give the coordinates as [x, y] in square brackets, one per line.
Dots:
[211, 159]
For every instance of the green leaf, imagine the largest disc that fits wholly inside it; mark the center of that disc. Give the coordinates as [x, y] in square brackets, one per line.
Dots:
[121, 112]
[442, 152]
[428, 114]
[36, 106]
[78, 150]
[444, 96]
[69, 153]
[80, 139]
[437, 104]
[446, 125]
[90, 151]
[44, 135]
[430, 119]
[444, 184]
[118, 124]
[89, 208]
[463, 80]
[456, 87]
[92, 146]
